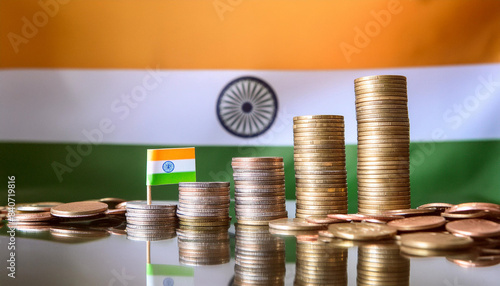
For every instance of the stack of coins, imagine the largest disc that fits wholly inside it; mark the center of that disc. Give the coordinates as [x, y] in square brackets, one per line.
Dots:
[259, 184]
[150, 222]
[382, 264]
[320, 263]
[319, 162]
[260, 257]
[383, 143]
[203, 245]
[204, 204]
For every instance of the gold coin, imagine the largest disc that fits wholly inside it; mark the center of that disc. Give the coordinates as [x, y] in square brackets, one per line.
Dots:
[374, 198]
[381, 101]
[441, 207]
[387, 114]
[337, 206]
[405, 141]
[37, 207]
[382, 109]
[367, 118]
[79, 209]
[310, 117]
[362, 231]
[314, 133]
[319, 212]
[298, 137]
[316, 130]
[417, 223]
[320, 162]
[378, 91]
[332, 191]
[381, 98]
[380, 84]
[319, 202]
[294, 224]
[435, 240]
[319, 142]
[31, 217]
[382, 78]
[381, 160]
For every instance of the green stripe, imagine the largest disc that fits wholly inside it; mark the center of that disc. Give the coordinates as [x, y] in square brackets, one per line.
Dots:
[169, 270]
[446, 171]
[171, 178]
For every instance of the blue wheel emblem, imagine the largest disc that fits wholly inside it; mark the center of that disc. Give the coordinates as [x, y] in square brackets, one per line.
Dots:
[247, 107]
[168, 282]
[168, 166]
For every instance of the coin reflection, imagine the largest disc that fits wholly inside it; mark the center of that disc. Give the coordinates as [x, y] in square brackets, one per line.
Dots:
[203, 245]
[260, 257]
[320, 263]
[382, 264]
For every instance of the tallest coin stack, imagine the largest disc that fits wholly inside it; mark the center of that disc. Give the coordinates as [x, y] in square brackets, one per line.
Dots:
[383, 143]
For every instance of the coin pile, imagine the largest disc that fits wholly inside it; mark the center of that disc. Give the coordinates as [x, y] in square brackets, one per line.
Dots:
[319, 162]
[260, 257]
[259, 184]
[383, 143]
[320, 263]
[156, 221]
[382, 264]
[204, 204]
[203, 245]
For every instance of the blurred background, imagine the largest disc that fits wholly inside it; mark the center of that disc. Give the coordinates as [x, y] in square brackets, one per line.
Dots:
[86, 86]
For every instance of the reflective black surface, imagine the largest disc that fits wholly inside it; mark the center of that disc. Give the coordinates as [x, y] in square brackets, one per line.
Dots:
[99, 253]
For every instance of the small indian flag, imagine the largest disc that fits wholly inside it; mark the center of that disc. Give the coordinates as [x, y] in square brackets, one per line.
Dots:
[160, 274]
[170, 166]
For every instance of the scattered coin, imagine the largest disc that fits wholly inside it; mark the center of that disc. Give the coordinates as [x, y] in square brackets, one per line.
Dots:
[79, 209]
[295, 224]
[37, 207]
[362, 231]
[436, 241]
[417, 223]
[479, 228]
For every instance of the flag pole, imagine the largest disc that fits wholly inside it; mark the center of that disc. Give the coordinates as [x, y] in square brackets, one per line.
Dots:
[149, 194]
[148, 252]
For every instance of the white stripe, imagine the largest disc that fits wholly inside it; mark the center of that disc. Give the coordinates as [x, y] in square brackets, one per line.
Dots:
[156, 167]
[179, 106]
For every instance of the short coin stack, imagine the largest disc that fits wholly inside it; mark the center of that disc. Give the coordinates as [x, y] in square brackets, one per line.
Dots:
[150, 222]
[260, 257]
[203, 245]
[319, 161]
[382, 264]
[320, 263]
[383, 143]
[204, 204]
[259, 189]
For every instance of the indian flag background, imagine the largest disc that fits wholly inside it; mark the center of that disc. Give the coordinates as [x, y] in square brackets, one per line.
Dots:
[86, 86]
